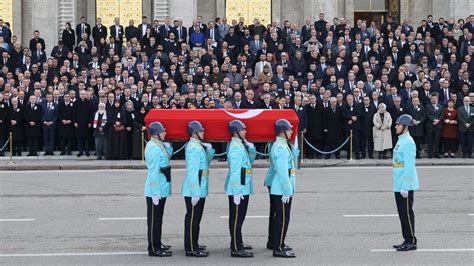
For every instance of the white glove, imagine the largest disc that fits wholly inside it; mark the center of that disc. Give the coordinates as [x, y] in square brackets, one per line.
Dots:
[404, 193]
[156, 200]
[166, 144]
[285, 199]
[237, 199]
[194, 200]
[249, 144]
[207, 145]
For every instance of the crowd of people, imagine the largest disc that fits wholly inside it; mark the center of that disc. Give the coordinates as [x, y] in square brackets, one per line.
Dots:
[94, 89]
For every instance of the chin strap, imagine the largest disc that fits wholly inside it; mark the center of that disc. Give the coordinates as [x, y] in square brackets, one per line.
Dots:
[403, 131]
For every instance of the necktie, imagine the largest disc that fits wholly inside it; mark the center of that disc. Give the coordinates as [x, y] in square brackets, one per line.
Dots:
[467, 109]
[256, 44]
[83, 30]
[179, 33]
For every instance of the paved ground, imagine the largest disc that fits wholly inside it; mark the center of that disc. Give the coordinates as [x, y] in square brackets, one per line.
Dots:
[74, 163]
[63, 218]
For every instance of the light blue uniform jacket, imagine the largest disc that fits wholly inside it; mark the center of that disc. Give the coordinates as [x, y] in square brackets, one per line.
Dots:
[281, 174]
[157, 157]
[239, 181]
[197, 158]
[404, 171]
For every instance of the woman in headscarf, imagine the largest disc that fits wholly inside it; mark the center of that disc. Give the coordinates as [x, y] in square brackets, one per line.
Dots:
[117, 143]
[100, 125]
[381, 131]
[138, 129]
[130, 116]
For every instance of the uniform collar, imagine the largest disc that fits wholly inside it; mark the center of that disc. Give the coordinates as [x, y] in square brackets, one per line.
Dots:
[404, 135]
[236, 139]
[194, 140]
[280, 139]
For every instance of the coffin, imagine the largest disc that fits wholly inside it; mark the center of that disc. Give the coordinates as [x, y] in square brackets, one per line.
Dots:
[260, 122]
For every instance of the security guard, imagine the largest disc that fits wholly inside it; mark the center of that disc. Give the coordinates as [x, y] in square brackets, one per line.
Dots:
[405, 181]
[238, 185]
[157, 187]
[195, 187]
[280, 180]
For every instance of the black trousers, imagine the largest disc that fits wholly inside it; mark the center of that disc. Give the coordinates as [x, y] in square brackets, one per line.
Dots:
[281, 221]
[83, 145]
[317, 143]
[48, 138]
[237, 215]
[432, 136]
[17, 147]
[271, 220]
[467, 138]
[154, 221]
[450, 145]
[417, 143]
[191, 223]
[33, 145]
[367, 142]
[406, 215]
[65, 142]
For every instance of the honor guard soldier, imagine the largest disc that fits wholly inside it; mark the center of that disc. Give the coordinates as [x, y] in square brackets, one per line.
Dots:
[280, 180]
[238, 185]
[157, 187]
[405, 181]
[195, 187]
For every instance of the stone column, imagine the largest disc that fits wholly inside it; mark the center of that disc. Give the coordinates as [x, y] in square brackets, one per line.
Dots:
[276, 11]
[16, 23]
[40, 15]
[185, 10]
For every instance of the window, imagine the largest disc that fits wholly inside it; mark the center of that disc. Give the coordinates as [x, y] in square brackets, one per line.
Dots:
[249, 10]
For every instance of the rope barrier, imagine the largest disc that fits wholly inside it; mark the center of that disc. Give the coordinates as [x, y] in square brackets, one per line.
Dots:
[4, 146]
[326, 152]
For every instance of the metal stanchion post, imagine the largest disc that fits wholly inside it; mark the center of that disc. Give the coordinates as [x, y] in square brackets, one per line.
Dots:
[143, 147]
[11, 148]
[302, 147]
[350, 145]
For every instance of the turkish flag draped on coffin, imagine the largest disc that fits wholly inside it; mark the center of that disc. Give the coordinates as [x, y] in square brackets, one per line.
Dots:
[260, 122]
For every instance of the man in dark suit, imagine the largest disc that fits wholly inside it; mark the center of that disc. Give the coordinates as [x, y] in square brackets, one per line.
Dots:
[165, 29]
[6, 60]
[82, 122]
[301, 112]
[249, 102]
[434, 118]
[180, 32]
[49, 117]
[333, 127]
[36, 39]
[266, 102]
[367, 124]
[418, 113]
[466, 127]
[351, 114]
[143, 27]
[315, 134]
[82, 28]
[60, 52]
[65, 124]
[117, 31]
[33, 125]
[39, 55]
[131, 31]
[99, 31]
[212, 32]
